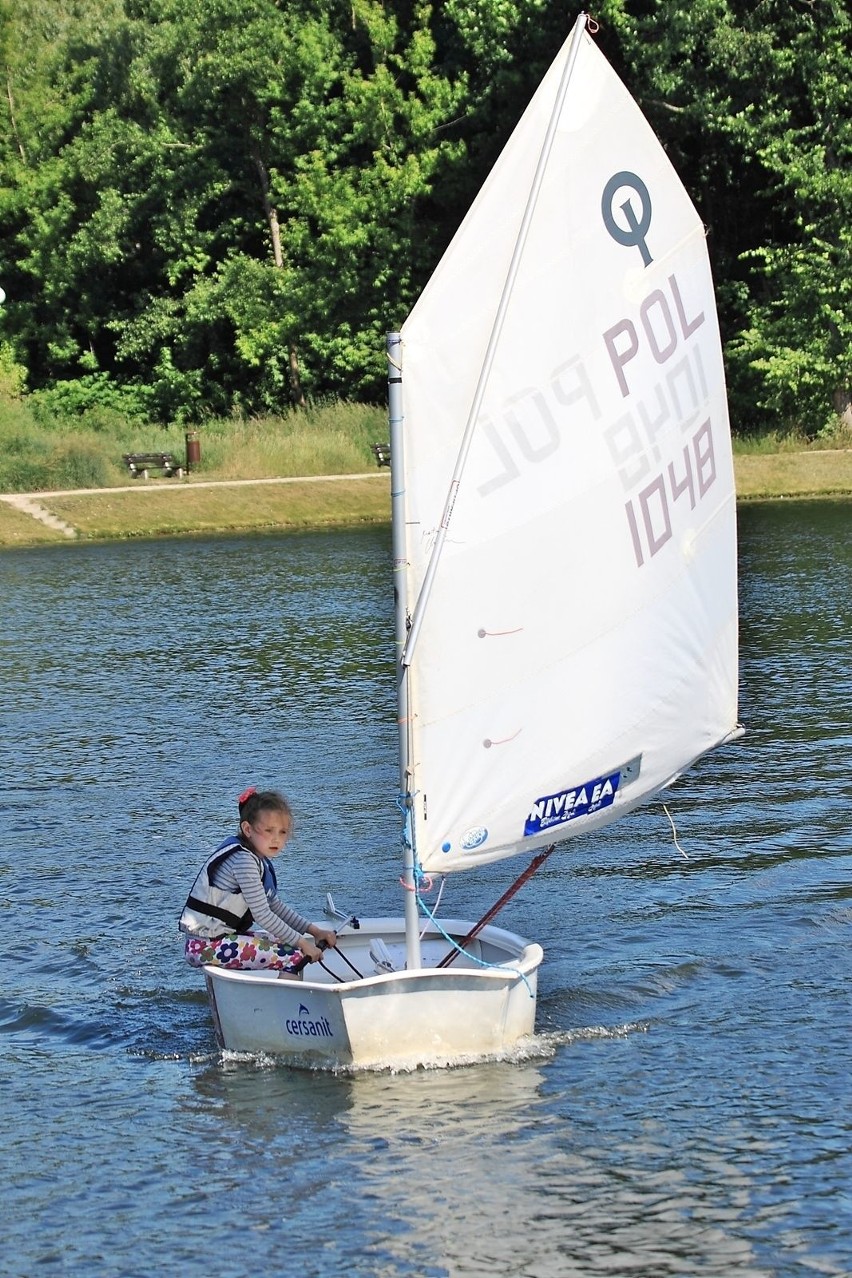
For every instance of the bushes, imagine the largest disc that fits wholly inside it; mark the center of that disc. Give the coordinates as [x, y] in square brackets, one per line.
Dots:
[94, 402]
[41, 450]
[32, 459]
[79, 466]
[13, 376]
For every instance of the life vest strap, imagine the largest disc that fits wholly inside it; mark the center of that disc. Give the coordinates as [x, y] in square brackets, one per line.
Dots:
[237, 922]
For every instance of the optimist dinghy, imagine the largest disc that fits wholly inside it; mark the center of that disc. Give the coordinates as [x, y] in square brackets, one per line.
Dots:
[564, 567]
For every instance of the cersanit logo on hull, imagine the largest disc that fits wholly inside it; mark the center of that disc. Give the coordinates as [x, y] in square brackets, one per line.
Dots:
[566, 805]
[304, 1026]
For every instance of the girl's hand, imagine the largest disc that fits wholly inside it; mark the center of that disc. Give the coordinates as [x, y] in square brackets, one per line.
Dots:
[327, 935]
[310, 951]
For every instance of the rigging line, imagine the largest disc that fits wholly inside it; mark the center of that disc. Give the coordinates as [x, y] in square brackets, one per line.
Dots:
[471, 957]
[437, 901]
[458, 947]
[674, 834]
[491, 350]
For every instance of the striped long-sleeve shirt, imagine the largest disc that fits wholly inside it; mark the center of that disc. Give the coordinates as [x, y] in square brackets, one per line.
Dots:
[240, 872]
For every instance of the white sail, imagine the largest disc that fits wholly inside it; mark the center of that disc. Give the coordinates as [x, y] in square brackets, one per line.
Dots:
[576, 647]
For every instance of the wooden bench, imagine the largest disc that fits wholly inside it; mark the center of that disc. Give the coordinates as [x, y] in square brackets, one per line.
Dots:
[382, 454]
[140, 463]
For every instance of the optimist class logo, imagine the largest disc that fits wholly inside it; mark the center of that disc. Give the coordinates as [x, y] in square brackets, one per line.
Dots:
[633, 227]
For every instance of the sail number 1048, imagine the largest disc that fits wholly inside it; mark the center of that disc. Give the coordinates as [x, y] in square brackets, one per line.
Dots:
[687, 477]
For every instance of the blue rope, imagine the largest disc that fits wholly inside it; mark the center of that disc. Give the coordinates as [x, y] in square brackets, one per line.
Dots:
[403, 802]
[480, 962]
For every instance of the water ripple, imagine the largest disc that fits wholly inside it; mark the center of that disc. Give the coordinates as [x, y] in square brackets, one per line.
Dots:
[683, 1108]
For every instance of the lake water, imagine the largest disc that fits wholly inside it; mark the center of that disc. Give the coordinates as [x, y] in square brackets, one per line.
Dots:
[687, 1107]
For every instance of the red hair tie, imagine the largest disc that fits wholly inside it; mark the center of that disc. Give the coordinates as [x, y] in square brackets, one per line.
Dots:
[246, 794]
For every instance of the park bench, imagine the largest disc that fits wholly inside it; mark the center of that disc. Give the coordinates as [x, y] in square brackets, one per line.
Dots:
[139, 464]
[382, 454]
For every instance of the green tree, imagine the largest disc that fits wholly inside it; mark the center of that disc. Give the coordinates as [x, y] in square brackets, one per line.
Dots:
[220, 205]
[795, 347]
[229, 208]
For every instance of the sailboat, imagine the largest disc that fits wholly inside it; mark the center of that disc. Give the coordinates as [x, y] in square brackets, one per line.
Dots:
[564, 546]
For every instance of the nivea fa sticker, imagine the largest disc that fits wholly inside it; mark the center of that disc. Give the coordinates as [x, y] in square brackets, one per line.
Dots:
[474, 837]
[570, 803]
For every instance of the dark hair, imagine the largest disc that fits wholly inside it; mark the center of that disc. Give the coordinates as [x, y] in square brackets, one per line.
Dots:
[253, 802]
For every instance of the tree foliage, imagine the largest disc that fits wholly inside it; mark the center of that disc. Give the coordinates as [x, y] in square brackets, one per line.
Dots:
[219, 206]
[795, 346]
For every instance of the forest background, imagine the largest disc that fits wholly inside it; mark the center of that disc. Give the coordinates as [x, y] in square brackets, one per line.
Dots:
[211, 211]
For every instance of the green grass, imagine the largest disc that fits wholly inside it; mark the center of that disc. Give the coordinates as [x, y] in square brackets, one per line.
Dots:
[773, 442]
[86, 452]
[174, 508]
[818, 473]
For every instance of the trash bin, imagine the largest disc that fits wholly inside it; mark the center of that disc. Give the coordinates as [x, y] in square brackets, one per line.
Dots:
[193, 450]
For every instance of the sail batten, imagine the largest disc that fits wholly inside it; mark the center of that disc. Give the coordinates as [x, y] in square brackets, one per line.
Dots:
[576, 591]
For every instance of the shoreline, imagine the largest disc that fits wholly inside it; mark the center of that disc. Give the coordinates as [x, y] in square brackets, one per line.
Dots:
[153, 508]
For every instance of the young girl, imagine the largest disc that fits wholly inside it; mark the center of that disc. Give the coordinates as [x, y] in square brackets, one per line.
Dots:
[233, 916]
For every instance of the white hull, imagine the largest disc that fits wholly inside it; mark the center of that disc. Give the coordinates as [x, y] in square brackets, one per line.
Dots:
[401, 1019]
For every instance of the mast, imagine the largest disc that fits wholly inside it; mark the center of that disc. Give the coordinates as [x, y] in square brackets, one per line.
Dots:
[400, 598]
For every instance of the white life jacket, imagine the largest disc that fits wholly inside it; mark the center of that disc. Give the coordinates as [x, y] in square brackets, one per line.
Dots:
[208, 908]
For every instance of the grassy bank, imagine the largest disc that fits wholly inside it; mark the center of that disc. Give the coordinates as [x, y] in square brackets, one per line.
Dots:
[312, 469]
[158, 508]
[770, 476]
[168, 509]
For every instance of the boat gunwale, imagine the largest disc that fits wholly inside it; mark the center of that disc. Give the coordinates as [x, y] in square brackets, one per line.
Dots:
[528, 958]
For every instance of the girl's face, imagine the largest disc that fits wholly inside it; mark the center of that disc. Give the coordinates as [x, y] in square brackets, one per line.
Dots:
[269, 832]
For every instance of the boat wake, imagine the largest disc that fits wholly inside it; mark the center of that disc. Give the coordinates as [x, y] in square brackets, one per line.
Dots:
[538, 1047]
[587, 1033]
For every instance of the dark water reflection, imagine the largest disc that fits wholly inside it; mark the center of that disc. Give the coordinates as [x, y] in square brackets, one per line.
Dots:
[686, 1107]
